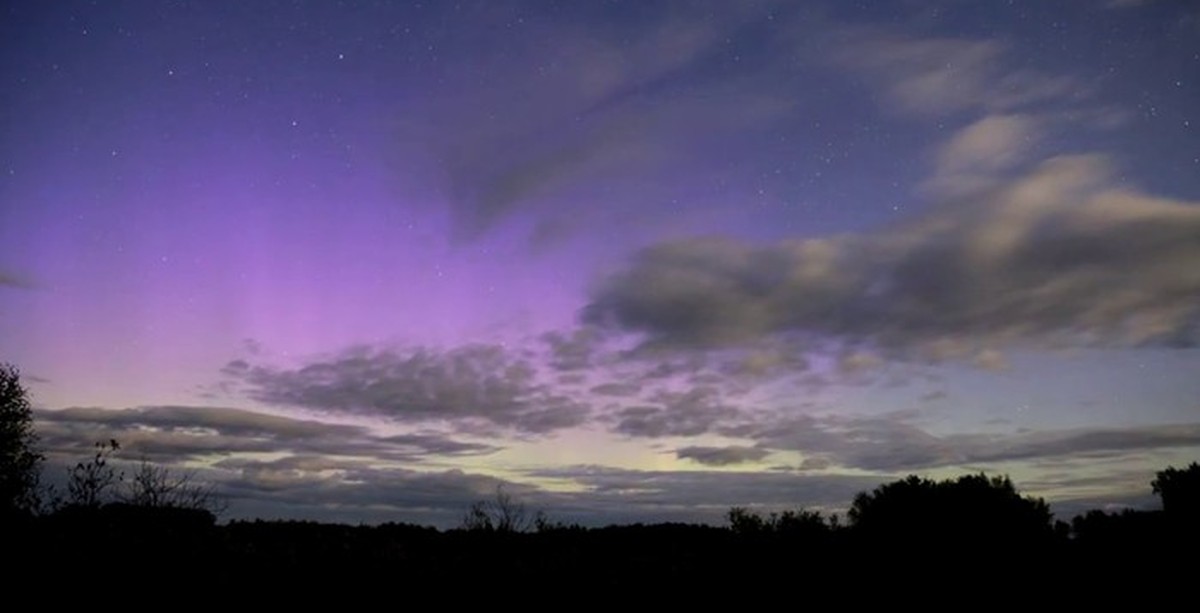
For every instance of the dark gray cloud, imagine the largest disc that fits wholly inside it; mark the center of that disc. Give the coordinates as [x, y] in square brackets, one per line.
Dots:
[14, 281]
[1084, 482]
[722, 456]
[320, 471]
[886, 443]
[474, 387]
[217, 419]
[933, 396]
[172, 434]
[324, 489]
[574, 350]
[620, 390]
[689, 413]
[891, 443]
[1057, 256]
[344, 473]
[612, 494]
[1094, 441]
[292, 482]
[327, 489]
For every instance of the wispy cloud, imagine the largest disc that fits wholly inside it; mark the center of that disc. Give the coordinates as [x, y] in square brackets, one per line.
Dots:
[174, 434]
[580, 105]
[893, 443]
[939, 75]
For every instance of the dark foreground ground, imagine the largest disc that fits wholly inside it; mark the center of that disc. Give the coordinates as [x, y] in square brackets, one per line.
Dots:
[119, 550]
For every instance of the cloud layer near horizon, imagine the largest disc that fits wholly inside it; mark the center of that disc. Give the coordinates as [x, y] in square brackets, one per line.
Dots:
[303, 467]
[189, 433]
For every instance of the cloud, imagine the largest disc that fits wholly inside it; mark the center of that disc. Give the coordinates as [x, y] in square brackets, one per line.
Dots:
[933, 395]
[325, 490]
[990, 359]
[1059, 255]
[335, 472]
[612, 494]
[1097, 441]
[973, 158]
[855, 362]
[473, 387]
[576, 105]
[892, 443]
[886, 443]
[620, 390]
[744, 367]
[329, 490]
[174, 434]
[299, 482]
[491, 180]
[574, 350]
[609, 110]
[576, 117]
[15, 281]
[437, 445]
[1123, 4]
[689, 413]
[941, 75]
[318, 470]
[721, 456]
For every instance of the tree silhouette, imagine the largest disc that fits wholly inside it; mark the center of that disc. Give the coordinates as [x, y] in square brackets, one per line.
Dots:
[157, 487]
[801, 522]
[1179, 489]
[965, 511]
[89, 483]
[502, 514]
[19, 459]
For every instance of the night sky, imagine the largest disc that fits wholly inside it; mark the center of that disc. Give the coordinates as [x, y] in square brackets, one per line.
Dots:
[637, 261]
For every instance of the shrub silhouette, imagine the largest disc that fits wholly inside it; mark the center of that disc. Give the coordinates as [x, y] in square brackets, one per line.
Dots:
[801, 522]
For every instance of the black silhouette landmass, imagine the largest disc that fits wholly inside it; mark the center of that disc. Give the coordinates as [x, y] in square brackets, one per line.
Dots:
[917, 536]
